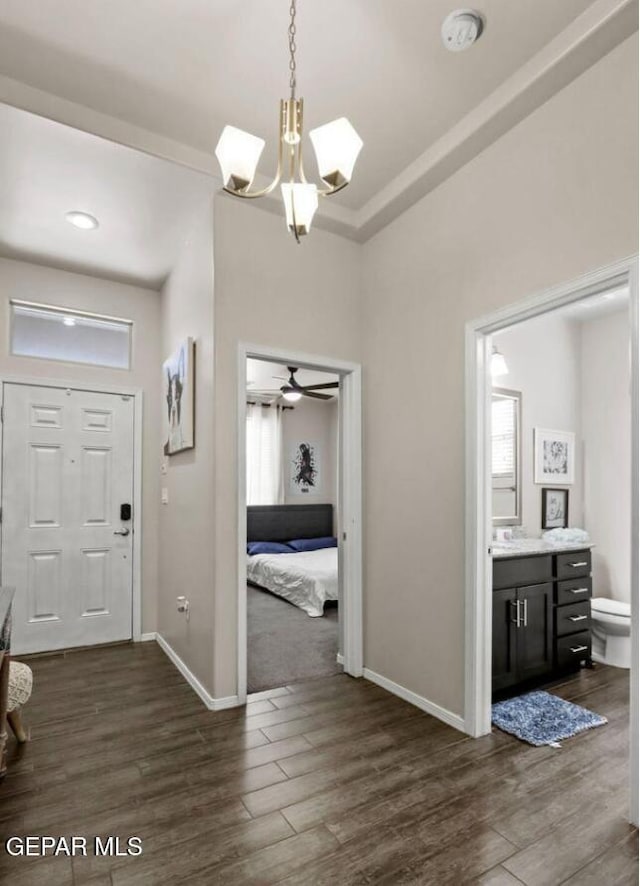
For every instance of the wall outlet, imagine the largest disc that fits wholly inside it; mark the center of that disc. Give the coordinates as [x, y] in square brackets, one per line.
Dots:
[164, 495]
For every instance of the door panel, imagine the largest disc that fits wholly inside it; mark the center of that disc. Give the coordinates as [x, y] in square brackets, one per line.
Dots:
[535, 636]
[67, 466]
[504, 672]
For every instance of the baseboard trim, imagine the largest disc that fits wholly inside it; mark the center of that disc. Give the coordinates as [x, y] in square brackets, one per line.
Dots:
[413, 698]
[145, 638]
[213, 704]
[340, 658]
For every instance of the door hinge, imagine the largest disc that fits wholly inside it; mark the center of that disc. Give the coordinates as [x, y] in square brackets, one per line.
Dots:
[1, 414]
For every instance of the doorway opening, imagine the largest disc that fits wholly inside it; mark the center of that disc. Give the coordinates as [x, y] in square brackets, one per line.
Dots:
[565, 504]
[292, 517]
[299, 519]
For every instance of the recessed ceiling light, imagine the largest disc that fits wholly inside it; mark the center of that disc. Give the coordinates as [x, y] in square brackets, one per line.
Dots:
[82, 220]
[69, 321]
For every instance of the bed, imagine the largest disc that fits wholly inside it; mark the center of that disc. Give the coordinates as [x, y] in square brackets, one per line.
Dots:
[308, 579]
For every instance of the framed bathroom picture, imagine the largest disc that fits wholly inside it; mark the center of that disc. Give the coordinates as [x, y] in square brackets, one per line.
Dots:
[554, 456]
[555, 508]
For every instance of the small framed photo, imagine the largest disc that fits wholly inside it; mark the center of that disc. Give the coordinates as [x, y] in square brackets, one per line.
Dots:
[555, 508]
[555, 456]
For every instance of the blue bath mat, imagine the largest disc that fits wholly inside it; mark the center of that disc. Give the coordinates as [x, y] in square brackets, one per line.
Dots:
[543, 719]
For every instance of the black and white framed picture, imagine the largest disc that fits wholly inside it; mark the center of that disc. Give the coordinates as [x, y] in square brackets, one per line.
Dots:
[554, 455]
[555, 508]
[304, 475]
[178, 379]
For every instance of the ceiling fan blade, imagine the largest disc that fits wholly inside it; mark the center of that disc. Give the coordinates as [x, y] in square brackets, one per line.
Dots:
[323, 387]
[316, 396]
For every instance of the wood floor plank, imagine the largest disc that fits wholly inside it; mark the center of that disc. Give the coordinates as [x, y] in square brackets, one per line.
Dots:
[331, 781]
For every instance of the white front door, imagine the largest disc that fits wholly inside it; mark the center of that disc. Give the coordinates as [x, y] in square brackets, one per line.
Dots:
[67, 468]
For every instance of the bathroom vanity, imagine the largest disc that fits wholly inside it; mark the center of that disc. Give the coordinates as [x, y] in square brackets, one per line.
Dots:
[541, 611]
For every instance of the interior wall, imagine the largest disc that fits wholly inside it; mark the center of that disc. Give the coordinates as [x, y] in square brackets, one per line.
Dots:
[552, 199]
[187, 521]
[311, 421]
[543, 358]
[606, 423]
[273, 292]
[30, 282]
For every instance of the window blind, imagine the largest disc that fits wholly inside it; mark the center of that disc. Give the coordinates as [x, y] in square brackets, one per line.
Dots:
[503, 432]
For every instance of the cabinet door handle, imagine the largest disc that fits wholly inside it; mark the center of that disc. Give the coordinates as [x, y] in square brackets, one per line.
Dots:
[579, 648]
[579, 590]
[516, 620]
[577, 565]
[578, 617]
[526, 612]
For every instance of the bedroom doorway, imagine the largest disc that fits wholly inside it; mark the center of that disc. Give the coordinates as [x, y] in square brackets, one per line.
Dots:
[293, 627]
[299, 565]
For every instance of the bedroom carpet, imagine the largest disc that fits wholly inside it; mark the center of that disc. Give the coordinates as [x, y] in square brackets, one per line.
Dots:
[285, 645]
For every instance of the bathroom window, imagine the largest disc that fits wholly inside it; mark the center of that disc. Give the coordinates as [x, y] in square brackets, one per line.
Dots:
[53, 333]
[503, 430]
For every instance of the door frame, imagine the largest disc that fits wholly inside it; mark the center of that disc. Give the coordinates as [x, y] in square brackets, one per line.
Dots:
[349, 499]
[136, 526]
[478, 627]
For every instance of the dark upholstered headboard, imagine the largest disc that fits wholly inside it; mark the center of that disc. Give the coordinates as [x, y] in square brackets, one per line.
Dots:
[284, 522]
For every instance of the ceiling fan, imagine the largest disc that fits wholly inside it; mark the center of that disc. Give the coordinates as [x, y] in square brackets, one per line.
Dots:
[293, 391]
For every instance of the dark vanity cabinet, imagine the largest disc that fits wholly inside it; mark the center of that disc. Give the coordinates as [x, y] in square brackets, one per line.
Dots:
[541, 622]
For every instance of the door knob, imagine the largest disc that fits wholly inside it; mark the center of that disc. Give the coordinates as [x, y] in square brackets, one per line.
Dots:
[123, 531]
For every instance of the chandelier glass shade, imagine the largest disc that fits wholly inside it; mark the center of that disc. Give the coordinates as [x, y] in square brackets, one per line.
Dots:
[336, 147]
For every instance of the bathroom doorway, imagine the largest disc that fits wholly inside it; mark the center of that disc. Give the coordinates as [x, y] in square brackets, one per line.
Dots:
[482, 336]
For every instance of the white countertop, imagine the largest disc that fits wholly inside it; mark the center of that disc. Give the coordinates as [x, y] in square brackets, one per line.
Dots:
[524, 547]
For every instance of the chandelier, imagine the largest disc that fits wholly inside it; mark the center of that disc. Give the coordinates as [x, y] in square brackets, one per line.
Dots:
[336, 147]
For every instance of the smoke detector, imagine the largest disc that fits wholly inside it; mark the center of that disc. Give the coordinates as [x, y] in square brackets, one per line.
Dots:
[461, 29]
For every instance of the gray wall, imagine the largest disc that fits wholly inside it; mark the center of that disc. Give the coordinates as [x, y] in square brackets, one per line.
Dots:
[552, 199]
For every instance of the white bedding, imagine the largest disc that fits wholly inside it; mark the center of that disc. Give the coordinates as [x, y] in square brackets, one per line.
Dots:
[306, 579]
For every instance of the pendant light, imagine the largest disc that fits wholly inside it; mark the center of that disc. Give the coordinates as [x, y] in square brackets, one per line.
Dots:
[498, 364]
[336, 147]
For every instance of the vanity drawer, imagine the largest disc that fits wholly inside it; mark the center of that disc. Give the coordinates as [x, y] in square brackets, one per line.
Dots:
[574, 591]
[573, 564]
[572, 618]
[515, 572]
[574, 649]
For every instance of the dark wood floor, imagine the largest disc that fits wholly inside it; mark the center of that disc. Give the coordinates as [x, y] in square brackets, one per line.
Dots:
[332, 781]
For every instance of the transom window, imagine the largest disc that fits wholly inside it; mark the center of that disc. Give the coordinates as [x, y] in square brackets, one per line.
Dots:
[54, 333]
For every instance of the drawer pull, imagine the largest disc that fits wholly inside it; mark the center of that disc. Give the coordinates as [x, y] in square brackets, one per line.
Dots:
[579, 590]
[579, 648]
[578, 617]
[578, 565]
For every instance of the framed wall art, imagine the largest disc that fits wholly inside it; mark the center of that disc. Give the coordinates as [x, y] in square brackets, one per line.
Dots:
[179, 412]
[555, 508]
[554, 456]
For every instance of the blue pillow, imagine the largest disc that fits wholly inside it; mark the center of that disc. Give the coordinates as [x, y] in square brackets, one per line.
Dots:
[268, 547]
[313, 544]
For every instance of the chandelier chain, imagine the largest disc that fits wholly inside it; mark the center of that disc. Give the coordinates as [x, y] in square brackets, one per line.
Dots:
[292, 49]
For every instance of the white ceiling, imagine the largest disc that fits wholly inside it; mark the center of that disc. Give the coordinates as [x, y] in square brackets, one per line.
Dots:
[268, 378]
[144, 205]
[181, 70]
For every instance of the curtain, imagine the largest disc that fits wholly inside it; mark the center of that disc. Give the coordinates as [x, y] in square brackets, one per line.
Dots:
[265, 483]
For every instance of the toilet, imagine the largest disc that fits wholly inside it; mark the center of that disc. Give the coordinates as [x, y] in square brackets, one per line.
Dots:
[611, 632]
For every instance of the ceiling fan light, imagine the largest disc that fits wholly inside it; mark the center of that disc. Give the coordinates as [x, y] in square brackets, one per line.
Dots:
[300, 204]
[238, 153]
[291, 396]
[337, 146]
